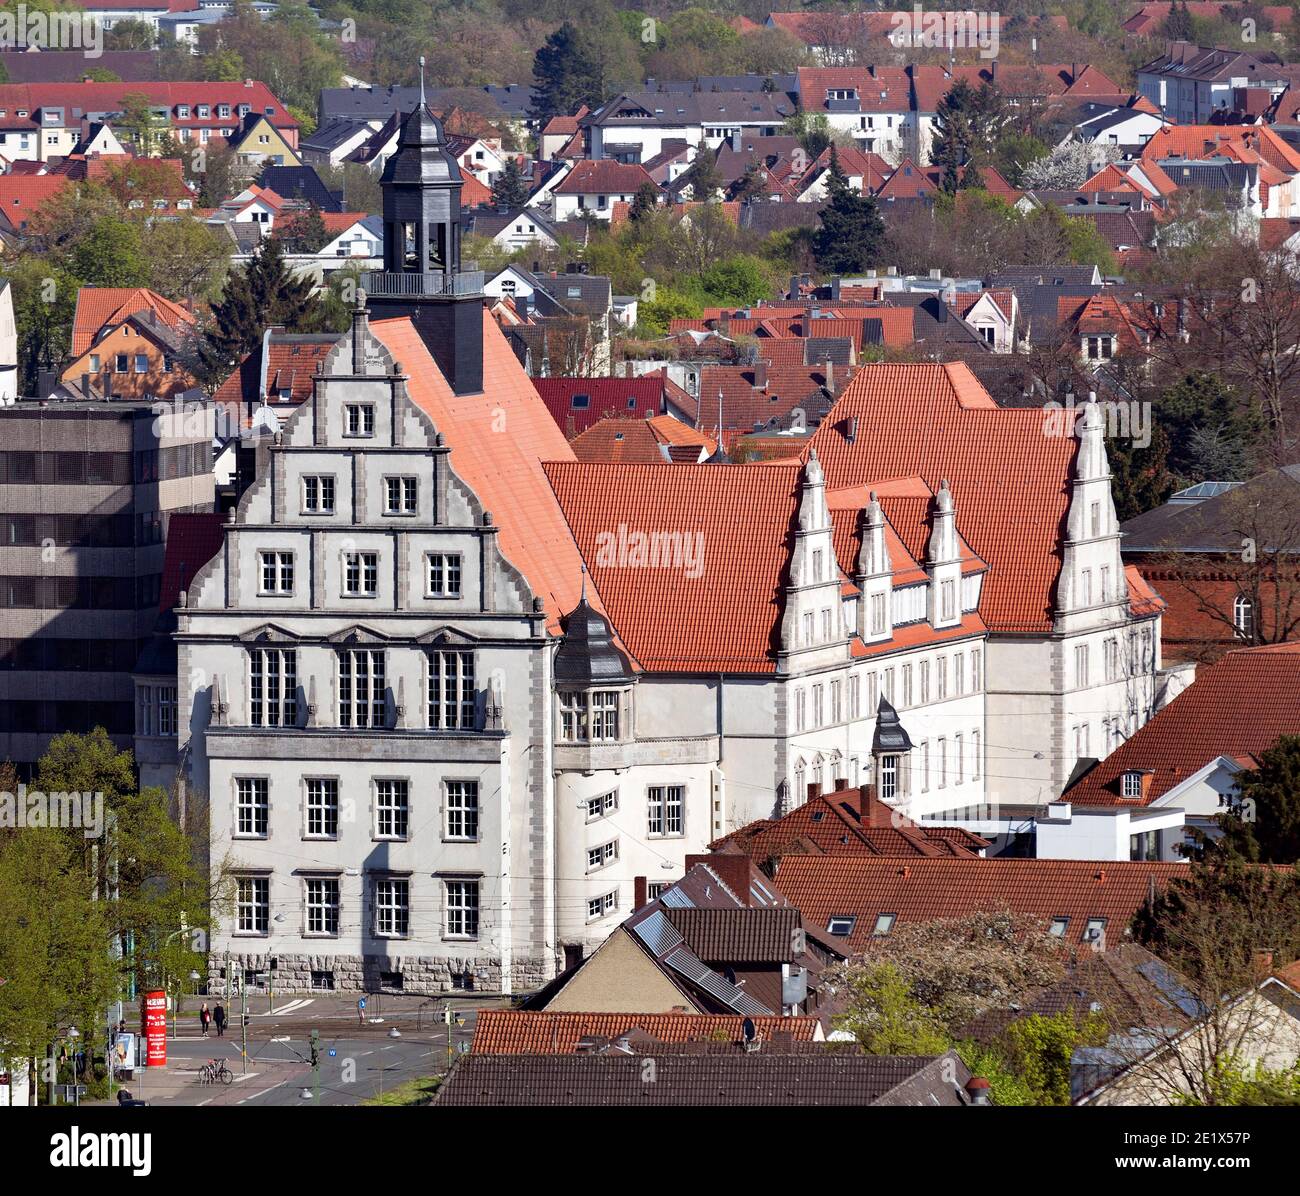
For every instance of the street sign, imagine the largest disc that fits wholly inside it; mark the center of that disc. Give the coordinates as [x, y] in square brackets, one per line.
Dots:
[361, 1002]
[333, 1052]
[155, 1028]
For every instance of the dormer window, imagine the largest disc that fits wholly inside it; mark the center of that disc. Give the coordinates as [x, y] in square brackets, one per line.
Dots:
[841, 925]
[1131, 783]
[1099, 348]
[884, 924]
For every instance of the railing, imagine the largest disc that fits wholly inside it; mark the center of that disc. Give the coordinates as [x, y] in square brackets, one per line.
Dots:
[383, 284]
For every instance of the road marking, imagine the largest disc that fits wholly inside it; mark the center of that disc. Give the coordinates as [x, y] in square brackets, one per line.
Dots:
[264, 1091]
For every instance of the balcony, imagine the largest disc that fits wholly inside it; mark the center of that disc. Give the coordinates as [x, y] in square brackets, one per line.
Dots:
[385, 285]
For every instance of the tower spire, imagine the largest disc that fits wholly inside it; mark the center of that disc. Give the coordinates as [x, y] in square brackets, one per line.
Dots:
[421, 80]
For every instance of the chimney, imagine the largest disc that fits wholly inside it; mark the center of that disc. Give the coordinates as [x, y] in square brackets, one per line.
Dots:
[977, 1088]
[829, 371]
[814, 790]
[638, 892]
[731, 868]
[841, 783]
[760, 375]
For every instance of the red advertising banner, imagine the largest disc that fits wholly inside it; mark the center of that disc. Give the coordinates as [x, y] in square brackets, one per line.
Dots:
[155, 1029]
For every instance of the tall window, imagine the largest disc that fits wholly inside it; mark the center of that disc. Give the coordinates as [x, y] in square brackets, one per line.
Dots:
[273, 687]
[318, 494]
[253, 904]
[277, 572]
[604, 715]
[361, 688]
[360, 419]
[1081, 666]
[322, 905]
[975, 672]
[144, 719]
[941, 677]
[818, 712]
[941, 749]
[837, 702]
[462, 909]
[855, 696]
[400, 494]
[947, 600]
[907, 685]
[166, 709]
[392, 810]
[252, 806]
[322, 808]
[888, 777]
[360, 574]
[958, 759]
[924, 669]
[444, 575]
[666, 813]
[1243, 616]
[975, 755]
[877, 614]
[392, 907]
[451, 691]
[462, 810]
[800, 709]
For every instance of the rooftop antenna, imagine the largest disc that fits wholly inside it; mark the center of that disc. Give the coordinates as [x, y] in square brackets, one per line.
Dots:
[421, 80]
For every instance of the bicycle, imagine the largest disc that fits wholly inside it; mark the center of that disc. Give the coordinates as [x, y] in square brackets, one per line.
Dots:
[215, 1071]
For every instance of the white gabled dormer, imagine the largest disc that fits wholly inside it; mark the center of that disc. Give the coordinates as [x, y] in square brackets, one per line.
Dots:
[874, 576]
[1092, 583]
[813, 619]
[943, 561]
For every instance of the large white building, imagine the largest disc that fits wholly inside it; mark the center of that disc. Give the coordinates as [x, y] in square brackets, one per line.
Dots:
[449, 691]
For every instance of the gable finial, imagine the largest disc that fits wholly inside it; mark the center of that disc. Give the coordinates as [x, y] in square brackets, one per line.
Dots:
[421, 80]
[583, 568]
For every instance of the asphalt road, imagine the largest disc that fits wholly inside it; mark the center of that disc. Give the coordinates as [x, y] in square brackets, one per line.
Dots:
[365, 1060]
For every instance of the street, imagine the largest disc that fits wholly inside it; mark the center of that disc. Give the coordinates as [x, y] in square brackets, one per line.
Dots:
[359, 1059]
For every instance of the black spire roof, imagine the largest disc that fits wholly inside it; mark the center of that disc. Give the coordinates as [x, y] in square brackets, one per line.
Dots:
[587, 654]
[890, 735]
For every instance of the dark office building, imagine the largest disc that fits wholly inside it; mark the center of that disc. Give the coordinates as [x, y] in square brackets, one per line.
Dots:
[86, 490]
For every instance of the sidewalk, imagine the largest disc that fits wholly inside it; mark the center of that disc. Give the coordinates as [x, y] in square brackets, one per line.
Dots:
[178, 1082]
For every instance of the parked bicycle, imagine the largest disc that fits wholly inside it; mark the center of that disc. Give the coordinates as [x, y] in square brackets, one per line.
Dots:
[215, 1071]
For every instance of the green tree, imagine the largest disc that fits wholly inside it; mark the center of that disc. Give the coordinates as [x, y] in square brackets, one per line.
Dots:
[1040, 1049]
[111, 253]
[1263, 824]
[644, 202]
[264, 293]
[303, 232]
[142, 125]
[852, 234]
[884, 1016]
[1140, 477]
[703, 176]
[654, 314]
[566, 74]
[510, 189]
[1178, 26]
[1201, 402]
[187, 260]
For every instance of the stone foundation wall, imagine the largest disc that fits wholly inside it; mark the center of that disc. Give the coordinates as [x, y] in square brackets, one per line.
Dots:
[428, 975]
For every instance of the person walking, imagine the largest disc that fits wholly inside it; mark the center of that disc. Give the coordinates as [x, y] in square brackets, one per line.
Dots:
[205, 1018]
[219, 1016]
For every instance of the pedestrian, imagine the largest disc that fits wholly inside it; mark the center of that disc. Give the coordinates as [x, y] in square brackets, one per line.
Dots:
[205, 1016]
[219, 1016]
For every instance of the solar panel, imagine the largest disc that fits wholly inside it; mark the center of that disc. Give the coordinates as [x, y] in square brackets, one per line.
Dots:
[659, 934]
[687, 964]
[676, 899]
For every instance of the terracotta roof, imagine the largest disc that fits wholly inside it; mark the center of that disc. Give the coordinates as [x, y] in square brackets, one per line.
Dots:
[937, 422]
[879, 89]
[506, 472]
[291, 360]
[520, 1032]
[108, 97]
[1148, 19]
[862, 886]
[603, 177]
[98, 307]
[473, 193]
[739, 519]
[340, 222]
[577, 403]
[643, 441]
[1236, 707]
[21, 195]
[1200, 141]
[847, 822]
[907, 182]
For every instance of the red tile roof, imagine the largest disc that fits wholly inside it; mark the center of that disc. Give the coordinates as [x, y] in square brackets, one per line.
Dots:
[519, 1032]
[863, 886]
[879, 88]
[505, 471]
[1199, 141]
[642, 441]
[1236, 707]
[847, 822]
[603, 177]
[22, 194]
[99, 307]
[108, 97]
[937, 422]
[722, 620]
[622, 397]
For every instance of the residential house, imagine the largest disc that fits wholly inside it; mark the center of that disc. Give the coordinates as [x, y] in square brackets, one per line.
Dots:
[592, 188]
[257, 143]
[650, 440]
[1192, 84]
[532, 1032]
[633, 126]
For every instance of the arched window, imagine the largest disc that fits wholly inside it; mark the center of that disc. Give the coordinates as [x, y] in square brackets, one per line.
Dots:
[1243, 616]
[800, 786]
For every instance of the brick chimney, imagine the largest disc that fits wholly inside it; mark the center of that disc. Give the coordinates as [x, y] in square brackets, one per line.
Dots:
[814, 790]
[732, 869]
[977, 1088]
[639, 891]
[760, 375]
